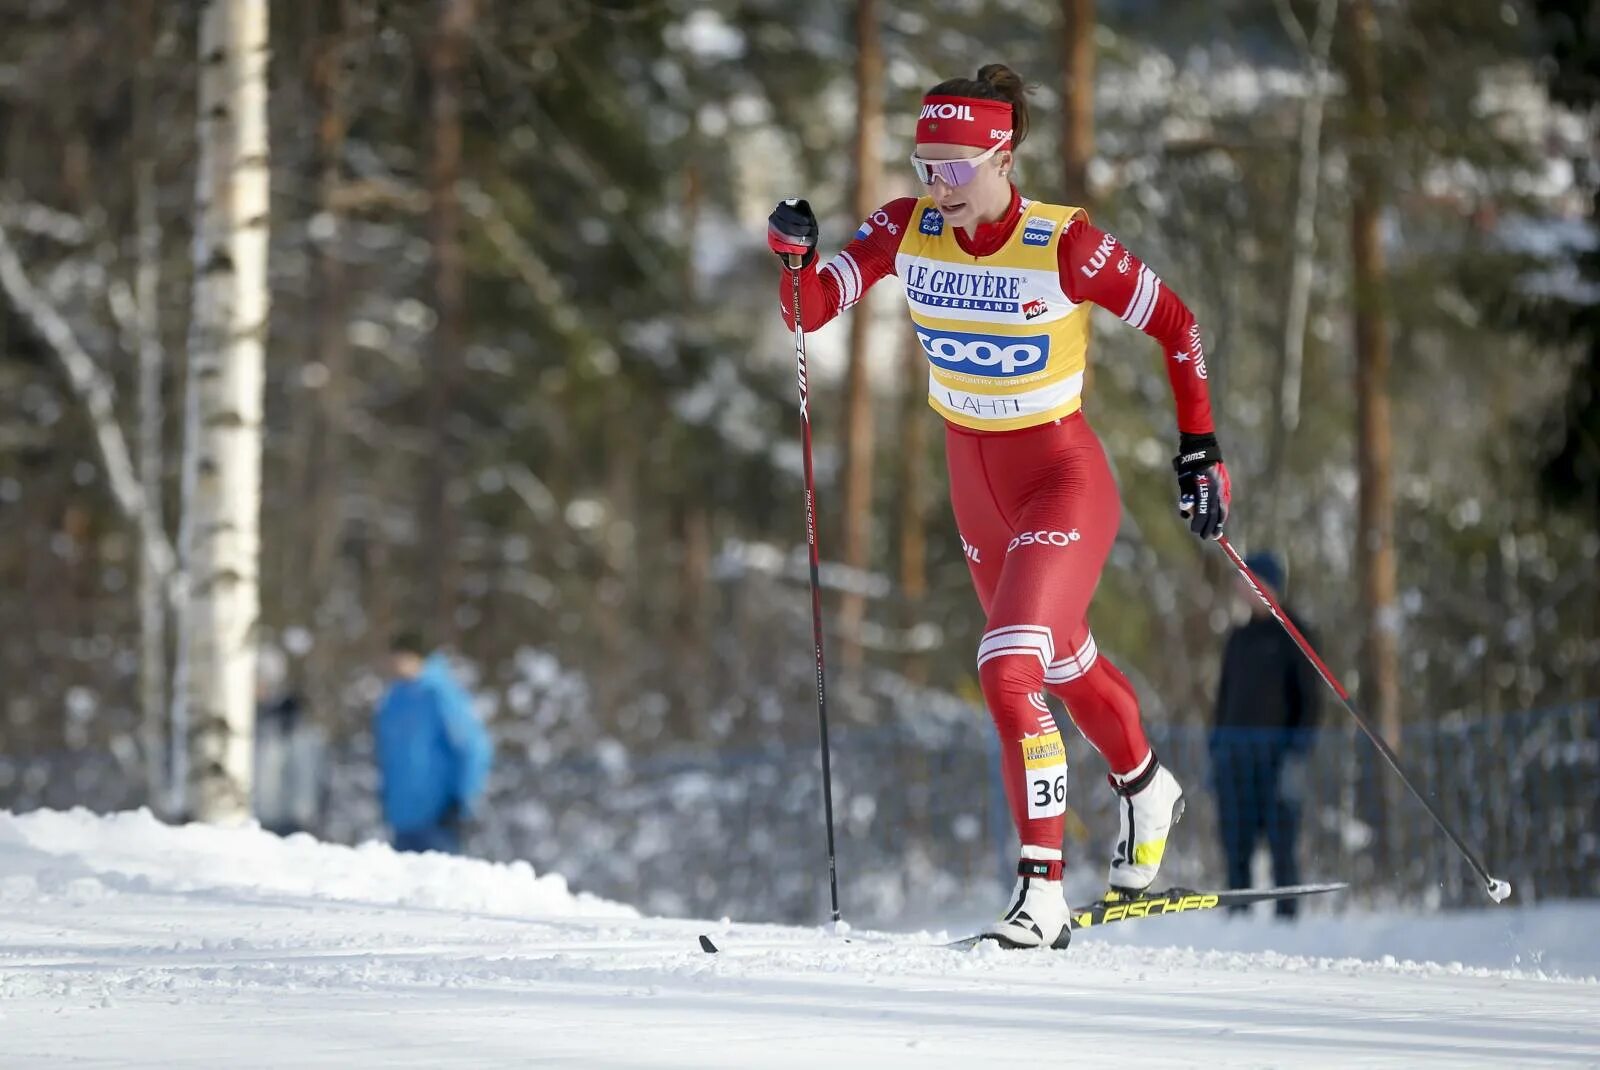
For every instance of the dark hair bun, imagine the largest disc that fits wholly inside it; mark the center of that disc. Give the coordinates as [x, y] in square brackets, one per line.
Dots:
[1004, 79]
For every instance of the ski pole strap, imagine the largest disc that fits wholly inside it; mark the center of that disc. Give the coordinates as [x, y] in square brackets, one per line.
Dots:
[1047, 869]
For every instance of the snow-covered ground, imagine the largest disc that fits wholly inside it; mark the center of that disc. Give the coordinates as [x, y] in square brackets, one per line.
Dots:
[127, 943]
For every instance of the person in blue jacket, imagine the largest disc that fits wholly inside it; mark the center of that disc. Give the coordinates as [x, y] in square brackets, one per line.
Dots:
[433, 753]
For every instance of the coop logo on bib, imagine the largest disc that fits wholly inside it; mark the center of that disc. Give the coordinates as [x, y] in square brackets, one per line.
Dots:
[985, 355]
[1037, 231]
[932, 221]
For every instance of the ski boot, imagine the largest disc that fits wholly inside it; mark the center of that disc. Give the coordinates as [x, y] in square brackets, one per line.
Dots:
[1038, 915]
[1150, 803]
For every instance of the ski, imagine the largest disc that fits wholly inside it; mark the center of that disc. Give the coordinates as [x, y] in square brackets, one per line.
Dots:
[1158, 904]
[711, 947]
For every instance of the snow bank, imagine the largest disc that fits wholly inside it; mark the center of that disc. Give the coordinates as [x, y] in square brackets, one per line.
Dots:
[85, 856]
[79, 859]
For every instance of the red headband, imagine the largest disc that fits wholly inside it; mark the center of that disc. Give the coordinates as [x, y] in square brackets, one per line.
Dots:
[971, 121]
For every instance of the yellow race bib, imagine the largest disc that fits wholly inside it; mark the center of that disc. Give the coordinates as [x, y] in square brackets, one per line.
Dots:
[1006, 347]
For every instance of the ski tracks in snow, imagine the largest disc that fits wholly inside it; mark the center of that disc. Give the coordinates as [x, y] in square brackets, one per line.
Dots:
[125, 958]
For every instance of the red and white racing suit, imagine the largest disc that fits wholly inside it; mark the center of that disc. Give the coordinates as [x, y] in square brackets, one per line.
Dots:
[1035, 503]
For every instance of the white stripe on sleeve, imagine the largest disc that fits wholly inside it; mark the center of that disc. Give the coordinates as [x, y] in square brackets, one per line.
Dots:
[1150, 306]
[857, 289]
[1144, 299]
[832, 268]
[840, 266]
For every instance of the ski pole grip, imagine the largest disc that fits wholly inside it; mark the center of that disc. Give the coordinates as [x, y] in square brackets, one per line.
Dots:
[794, 260]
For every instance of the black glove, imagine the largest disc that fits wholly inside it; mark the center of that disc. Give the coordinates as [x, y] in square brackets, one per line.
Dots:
[1203, 488]
[792, 230]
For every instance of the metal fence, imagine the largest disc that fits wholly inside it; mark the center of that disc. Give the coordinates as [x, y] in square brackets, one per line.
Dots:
[923, 828]
[1523, 789]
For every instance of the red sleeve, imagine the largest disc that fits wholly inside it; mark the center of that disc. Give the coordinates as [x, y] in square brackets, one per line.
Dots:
[833, 287]
[1096, 267]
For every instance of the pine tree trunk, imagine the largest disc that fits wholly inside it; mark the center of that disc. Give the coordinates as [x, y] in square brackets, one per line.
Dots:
[858, 440]
[147, 288]
[223, 457]
[694, 517]
[915, 422]
[328, 386]
[441, 526]
[1077, 99]
[616, 595]
[1375, 552]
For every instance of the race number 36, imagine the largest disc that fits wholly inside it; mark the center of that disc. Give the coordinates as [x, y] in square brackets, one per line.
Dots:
[1045, 760]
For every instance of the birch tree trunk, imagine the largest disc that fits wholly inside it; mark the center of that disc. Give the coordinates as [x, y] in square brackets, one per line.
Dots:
[92, 387]
[147, 318]
[1308, 184]
[858, 437]
[222, 455]
[160, 581]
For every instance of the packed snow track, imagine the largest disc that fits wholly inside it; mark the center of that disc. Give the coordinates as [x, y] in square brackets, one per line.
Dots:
[127, 943]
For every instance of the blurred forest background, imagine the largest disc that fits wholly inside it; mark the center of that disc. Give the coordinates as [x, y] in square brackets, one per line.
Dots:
[526, 387]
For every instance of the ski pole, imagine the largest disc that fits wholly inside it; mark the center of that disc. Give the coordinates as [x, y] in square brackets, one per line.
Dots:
[795, 262]
[1494, 886]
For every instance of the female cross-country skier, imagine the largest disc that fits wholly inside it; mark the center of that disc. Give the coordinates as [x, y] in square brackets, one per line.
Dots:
[999, 289]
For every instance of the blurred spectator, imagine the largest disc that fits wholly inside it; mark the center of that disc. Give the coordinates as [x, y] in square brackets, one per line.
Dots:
[289, 765]
[433, 754]
[290, 751]
[1266, 710]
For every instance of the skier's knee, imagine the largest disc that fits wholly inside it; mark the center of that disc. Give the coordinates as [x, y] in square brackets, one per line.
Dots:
[1009, 678]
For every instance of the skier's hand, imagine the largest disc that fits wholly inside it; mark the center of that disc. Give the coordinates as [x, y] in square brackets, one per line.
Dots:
[1203, 488]
[792, 230]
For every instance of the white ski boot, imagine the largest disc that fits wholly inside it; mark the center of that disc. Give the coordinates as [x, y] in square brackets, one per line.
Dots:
[1151, 803]
[1038, 914]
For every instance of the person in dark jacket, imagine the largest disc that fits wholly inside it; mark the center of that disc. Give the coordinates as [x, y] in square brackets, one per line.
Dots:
[433, 753]
[1267, 706]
